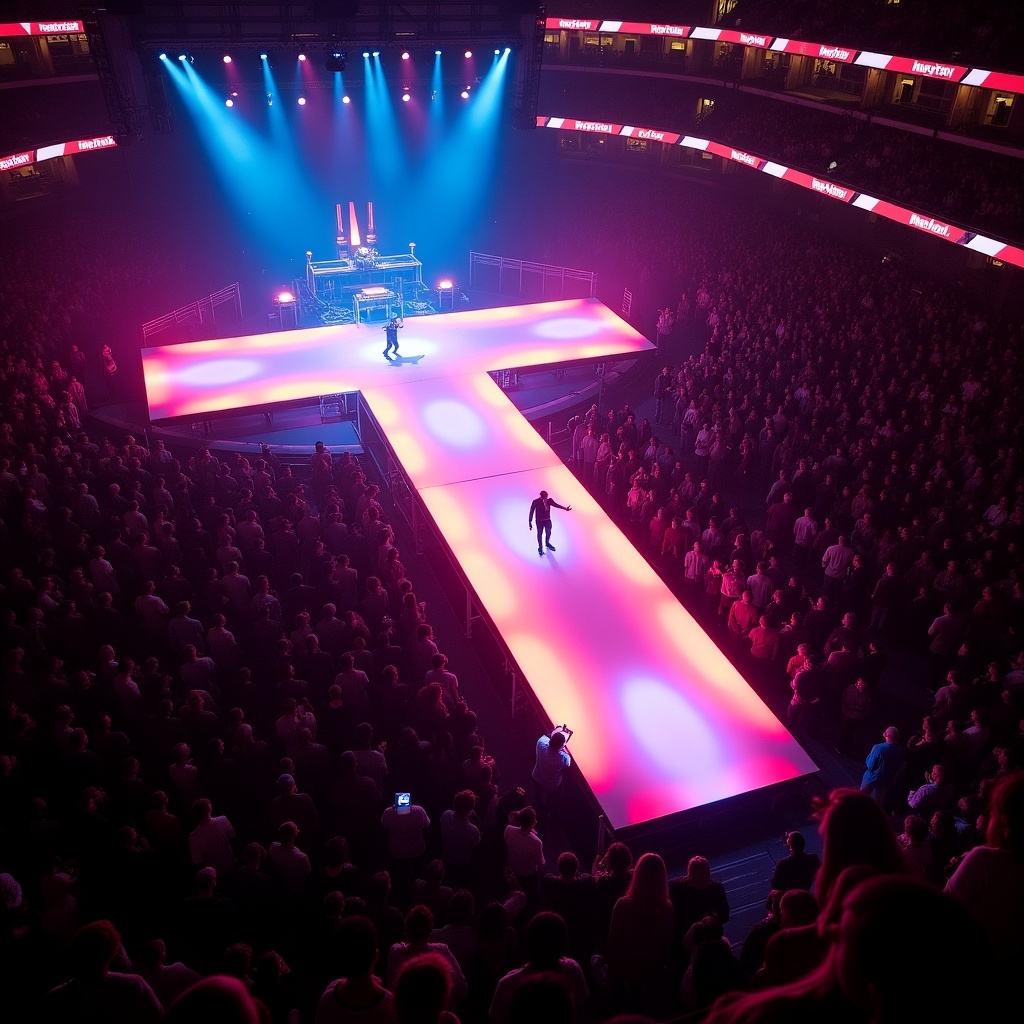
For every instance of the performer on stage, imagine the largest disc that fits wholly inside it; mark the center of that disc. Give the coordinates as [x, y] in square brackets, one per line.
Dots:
[541, 508]
[391, 333]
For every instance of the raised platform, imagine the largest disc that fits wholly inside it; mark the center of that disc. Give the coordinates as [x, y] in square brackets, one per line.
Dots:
[664, 723]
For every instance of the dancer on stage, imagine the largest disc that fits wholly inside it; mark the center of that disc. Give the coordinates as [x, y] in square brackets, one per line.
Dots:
[391, 332]
[541, 508]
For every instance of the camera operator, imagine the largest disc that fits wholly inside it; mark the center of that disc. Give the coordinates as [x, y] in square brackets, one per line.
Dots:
[551, 763]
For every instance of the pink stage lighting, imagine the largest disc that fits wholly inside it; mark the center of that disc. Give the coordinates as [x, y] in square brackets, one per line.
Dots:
[227, 59]
[664, 722]
[284, 296]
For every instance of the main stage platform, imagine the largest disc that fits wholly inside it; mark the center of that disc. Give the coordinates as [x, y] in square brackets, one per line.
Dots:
[663, 722]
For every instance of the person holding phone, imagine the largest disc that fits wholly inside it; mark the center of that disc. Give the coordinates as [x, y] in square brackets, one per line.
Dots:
[406, 824]
[551, 761]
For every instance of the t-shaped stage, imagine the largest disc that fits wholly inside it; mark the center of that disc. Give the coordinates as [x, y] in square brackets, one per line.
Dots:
[663, 721]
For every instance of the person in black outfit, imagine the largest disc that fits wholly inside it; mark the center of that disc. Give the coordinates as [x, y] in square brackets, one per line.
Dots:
[796, 871]
[391, 333]
[541, 508]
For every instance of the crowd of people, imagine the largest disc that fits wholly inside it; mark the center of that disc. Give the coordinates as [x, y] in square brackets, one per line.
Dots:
[237, 768]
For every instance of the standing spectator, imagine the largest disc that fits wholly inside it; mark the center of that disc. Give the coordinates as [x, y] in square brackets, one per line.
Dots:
[797, 869]
[854, 705]
[357, 995]
[209, 842]
[989, 881]
[406, 827]
[835, 562]
[640, 939]
[290, 864]
[95, 992]
[525, 851]
[546, 945]
[550, 764]
[883, 765]
[460, 837]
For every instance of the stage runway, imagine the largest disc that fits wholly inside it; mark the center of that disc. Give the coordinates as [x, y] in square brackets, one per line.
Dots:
[663, 722]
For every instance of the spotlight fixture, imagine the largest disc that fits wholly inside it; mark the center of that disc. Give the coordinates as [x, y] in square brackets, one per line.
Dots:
[284, 297]
[183, 57]
[229, 102]
[302, 101]
[376, 53]
[508, 49]
[405, 55]
[302, 56]
[163, 56]
[405, 97]
[496, 52]
[345, 99]
[445, 285]
[227, 58]
[263, 56]
[335, 61]
[437, 53]
[464, 94]
[366, 53]
[469, 53]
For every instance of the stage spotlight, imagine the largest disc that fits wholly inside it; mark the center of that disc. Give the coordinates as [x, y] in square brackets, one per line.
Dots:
[227, 58]
[437, 53]
[508, 49]
[497, 52]
[302, 101]
[263, 56]
[465, 94]
[345, 99]
[469, 53]
[302, 56]
[376, 53]
[445, 285]
[405, 97]
[405, 55]
[229, 102]
[163, 56]
[336, 61]
[186, 57]
[284, 297]
[366, 53]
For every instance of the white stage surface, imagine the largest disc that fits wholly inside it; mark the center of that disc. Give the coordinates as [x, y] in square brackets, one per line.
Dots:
[663, 722]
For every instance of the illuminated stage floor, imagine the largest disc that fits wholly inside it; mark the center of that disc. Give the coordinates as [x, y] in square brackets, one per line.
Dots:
[663, 721]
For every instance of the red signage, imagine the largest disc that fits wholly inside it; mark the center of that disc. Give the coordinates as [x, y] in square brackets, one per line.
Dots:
[15, 160]
[573, 24]
[928, 68]
[32, 156]
[921, 222]
[56, 27]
